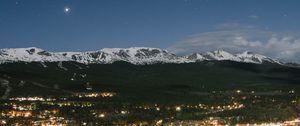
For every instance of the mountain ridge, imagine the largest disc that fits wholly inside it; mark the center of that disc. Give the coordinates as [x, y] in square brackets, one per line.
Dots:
[134, 55]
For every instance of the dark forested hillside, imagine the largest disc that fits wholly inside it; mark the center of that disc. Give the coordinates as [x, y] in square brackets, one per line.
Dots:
[66, 77]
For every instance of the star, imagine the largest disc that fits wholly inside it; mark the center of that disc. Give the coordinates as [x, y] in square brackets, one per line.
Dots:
[67, 9]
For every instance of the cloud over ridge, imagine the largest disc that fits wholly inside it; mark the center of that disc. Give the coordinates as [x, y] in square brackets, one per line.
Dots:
[283, 46]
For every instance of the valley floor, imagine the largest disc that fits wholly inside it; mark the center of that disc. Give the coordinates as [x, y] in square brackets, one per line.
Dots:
[107, 108]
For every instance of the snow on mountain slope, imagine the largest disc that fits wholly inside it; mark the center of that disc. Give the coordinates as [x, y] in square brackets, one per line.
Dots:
[31, 54]
[142, 55]
[220, 55]
[251, 57]
[196, 57]
[247, 57]
[134, 55]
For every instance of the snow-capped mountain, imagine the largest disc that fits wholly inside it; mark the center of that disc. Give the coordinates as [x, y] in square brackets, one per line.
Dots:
[247, 57]
[214, 55]
[251, 57]
[134, 55]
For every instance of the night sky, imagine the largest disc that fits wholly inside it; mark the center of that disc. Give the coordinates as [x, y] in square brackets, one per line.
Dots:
[270, 27]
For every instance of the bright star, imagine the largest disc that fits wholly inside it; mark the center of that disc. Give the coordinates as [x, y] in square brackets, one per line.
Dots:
[67, 9]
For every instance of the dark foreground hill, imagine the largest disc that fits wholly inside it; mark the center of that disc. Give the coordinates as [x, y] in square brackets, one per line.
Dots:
[144, 81]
